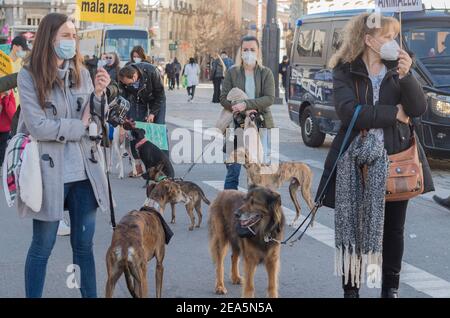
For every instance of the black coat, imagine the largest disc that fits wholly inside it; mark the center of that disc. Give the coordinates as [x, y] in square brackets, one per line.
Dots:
[393, 91]
[150, 96]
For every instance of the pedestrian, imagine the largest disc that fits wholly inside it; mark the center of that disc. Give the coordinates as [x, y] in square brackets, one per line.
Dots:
[177, 68]
[137, 55]
[142, 86]
[218, 70]
[283, 70]
[192, 72]
[7, 111]
[19, 50]
[53, 72]
[170, 71]
[112, 65]
[442, 202]
[226, 60]
[371, 70]
[257, 81]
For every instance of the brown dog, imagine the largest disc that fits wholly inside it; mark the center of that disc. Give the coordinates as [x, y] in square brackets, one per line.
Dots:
[139, 237]
[173, 192]
[233, 216]
[298, 174]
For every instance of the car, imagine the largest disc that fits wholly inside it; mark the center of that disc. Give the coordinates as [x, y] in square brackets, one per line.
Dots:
[310, 95]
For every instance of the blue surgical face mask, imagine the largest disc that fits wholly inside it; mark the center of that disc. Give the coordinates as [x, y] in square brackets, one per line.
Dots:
[21, 54]
[65, 49]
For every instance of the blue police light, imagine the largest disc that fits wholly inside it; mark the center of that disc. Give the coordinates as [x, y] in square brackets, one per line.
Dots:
[299, 23]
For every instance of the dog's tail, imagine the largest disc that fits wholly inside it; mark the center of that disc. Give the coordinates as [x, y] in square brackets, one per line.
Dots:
[130, 284]
[204, 198]
[126, 258]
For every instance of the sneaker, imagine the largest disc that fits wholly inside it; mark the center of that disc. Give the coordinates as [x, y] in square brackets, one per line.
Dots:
[63, 229]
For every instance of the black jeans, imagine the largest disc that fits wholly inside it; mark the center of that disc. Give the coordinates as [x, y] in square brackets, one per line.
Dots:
[3, 144]
[177, 78]
[393, 241]
[217, 82]
[191, 91]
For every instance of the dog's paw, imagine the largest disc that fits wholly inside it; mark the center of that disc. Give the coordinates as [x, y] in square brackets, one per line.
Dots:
[191, 228]
[172, 221]
[236, 280]
[197, 226]
[221, 290]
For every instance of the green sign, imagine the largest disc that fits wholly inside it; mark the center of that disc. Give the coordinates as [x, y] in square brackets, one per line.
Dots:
[6, 48]
[173, 47]
[155, 133]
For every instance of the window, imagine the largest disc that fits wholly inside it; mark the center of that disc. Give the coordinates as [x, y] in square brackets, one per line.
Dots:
[337, 40]
[319, 43]
[305, 43]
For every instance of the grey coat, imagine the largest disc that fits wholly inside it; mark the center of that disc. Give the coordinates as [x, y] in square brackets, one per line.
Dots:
[52, 128]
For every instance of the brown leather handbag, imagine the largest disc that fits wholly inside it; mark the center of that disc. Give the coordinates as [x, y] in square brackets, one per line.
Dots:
[405, 180]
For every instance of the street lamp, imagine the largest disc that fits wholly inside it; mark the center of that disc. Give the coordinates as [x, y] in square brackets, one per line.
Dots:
[271, 45]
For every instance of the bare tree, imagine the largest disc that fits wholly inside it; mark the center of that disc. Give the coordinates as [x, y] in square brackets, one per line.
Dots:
[213, 32]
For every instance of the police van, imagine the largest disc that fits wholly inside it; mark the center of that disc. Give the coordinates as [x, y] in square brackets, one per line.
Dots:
[318, 36]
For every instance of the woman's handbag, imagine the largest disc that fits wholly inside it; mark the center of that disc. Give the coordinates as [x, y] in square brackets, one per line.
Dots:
[405, 180]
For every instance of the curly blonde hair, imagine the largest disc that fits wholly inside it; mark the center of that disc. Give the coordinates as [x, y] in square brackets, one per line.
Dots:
[354, 33]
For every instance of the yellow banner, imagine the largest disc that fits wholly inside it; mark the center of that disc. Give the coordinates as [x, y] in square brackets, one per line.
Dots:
[5, 64]
[106, 11]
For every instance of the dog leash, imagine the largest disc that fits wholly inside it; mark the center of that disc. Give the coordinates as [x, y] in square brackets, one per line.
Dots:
[102, 118]
[319, 203]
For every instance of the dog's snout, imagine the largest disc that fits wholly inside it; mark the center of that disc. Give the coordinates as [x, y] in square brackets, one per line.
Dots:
[238, 213]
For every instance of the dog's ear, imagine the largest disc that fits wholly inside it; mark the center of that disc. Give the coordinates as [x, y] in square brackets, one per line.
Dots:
[160, 167]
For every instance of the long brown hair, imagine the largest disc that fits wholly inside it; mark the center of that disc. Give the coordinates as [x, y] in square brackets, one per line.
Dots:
[42, 62]
[354, 36]
[140, 51]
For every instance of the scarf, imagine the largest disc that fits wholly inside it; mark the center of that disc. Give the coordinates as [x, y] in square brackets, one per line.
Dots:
[360, 204]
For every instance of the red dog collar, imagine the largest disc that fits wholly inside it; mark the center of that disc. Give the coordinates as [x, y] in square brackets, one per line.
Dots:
[140, 143]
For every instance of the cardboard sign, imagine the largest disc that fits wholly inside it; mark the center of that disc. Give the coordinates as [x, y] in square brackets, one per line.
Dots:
[6, 67]
[107, 11]
[398, 5]
[155, 133]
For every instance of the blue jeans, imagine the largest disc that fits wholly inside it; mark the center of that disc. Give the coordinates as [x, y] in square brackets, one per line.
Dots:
[82, 205]
[232, 178]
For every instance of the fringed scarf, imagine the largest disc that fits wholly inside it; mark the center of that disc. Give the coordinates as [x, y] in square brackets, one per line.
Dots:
[360, 204]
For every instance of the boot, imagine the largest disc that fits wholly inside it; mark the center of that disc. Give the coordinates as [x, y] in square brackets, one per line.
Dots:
[442, 202]
[349, 290]
[390, 284]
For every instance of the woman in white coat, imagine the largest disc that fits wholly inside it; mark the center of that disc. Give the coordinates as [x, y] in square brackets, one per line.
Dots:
[192, 72]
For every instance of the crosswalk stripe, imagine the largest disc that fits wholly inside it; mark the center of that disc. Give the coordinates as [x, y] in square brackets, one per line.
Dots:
[417, 278]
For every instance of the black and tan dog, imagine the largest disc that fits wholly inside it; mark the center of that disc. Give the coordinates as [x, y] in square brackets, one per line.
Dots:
[252, 224]
[166, 190]
[139, 237]
[147, 152]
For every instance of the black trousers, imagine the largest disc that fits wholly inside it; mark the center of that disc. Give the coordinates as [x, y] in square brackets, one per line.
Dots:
[177, 78]
[217, 82]
[191, 91]
[3, 144]
[393, 242]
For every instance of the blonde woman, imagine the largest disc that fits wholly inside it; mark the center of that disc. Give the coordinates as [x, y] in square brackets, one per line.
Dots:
[258, 83]
[371, 70]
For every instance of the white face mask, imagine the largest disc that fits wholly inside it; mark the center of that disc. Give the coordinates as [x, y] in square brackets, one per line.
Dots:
[389, 51]
[249, 58]
[137, 60]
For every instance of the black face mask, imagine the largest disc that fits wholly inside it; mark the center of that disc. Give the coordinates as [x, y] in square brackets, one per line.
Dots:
[133, 87]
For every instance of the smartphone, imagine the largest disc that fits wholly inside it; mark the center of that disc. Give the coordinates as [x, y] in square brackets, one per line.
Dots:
[101, 64]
